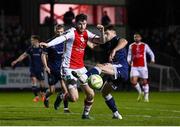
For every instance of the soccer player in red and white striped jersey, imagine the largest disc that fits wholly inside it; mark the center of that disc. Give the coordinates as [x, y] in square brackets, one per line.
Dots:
[137, 60]
[76, 39]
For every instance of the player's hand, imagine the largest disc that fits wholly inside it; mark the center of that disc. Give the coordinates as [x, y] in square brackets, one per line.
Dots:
[13, 63]
[100, 27]
[43, 44]
[47, 69]
[111, 57]
[152, 62]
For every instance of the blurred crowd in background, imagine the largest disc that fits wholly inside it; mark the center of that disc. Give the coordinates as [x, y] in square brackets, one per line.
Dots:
[14, 41]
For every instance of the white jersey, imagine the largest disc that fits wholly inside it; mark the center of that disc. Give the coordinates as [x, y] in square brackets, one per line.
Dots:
[75, 44]
[137, 54]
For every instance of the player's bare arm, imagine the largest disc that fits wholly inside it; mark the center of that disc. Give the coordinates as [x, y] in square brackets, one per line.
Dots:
[19, 59]
[101, 39]
[121, 44]
[91, 45]
[44, 60]
[55, 41]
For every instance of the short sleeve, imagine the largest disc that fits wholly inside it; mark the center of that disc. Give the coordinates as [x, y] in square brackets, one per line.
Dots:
[91, 36]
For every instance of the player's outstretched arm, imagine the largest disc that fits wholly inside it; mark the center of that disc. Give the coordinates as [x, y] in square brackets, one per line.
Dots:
[19, 59]
[129, 57]
[102, 37]
[150, 52]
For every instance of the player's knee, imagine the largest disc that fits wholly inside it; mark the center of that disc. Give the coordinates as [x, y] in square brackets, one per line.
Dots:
[74, 99]
[90, 96]
[133, 82]
[144, 82]
[104, 94]
[52, 91]
[71, 82]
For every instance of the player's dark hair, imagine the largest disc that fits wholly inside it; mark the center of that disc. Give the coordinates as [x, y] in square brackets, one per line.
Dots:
[81, 17]
[58, 26]
[35, 37]
[137, 34]
[109, 27]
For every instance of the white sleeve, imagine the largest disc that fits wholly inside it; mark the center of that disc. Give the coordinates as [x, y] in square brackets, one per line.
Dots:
[91, 36]
[150, 52]
[66, 36]
[129, 57]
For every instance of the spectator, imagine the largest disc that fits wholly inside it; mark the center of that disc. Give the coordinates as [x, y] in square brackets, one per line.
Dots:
[105, 19]
[68, 17]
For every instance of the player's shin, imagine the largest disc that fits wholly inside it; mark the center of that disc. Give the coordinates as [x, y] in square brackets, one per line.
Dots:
[146, 92]
[35, 91]
[48, 94]
[65, 101]
[110, 102]
[87, 106]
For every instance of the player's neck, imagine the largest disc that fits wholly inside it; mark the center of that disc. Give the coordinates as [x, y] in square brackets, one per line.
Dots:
[137, 42]
[36, 45]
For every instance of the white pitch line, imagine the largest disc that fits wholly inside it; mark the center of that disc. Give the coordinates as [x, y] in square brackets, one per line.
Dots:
[150, 109]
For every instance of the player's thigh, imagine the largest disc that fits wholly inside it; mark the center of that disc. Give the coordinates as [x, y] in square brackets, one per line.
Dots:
[107, 68]
[134, 75]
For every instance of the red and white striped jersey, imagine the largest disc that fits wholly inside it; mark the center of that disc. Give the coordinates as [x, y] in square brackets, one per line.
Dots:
[75, 44]
[137, 54]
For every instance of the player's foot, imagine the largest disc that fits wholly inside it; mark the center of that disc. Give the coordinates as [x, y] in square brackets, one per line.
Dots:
[117, 117]
[46, 103]
[146, 100]
[86, 117]
[67, 111]
[43, 98]
[58, 101]
[79, 77]
[140, 96]
[36, 99]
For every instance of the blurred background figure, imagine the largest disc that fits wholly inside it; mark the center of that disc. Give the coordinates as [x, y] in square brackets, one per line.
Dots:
[105, 19]
[68, 17]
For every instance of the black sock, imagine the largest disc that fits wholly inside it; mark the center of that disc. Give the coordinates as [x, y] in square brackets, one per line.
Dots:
[42, 89]
[35, 90]
[48, 94]
[65, 101]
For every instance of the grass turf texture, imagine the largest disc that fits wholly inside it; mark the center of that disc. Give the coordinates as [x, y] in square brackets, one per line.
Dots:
[17, 108]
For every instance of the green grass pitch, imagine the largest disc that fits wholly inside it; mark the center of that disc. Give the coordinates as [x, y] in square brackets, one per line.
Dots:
[17, 108]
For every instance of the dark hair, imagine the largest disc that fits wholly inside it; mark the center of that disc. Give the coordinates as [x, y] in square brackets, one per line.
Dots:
[81, 17]
[137, 34]
[109, 27]
[35, 37]
[58, 26]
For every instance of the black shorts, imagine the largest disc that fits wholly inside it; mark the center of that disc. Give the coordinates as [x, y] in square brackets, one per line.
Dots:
[54, 77]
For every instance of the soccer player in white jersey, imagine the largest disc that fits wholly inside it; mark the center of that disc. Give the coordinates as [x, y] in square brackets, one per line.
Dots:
[137, 60]
[73, 58]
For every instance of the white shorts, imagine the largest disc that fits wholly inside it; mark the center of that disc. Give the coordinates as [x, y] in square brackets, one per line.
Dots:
[139, 72]
[66, 73]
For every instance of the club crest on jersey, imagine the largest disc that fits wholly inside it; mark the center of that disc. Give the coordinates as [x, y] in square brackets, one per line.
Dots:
[82, 39]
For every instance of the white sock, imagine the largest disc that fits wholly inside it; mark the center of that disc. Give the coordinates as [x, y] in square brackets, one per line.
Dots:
[146, 91]
[138, 88]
